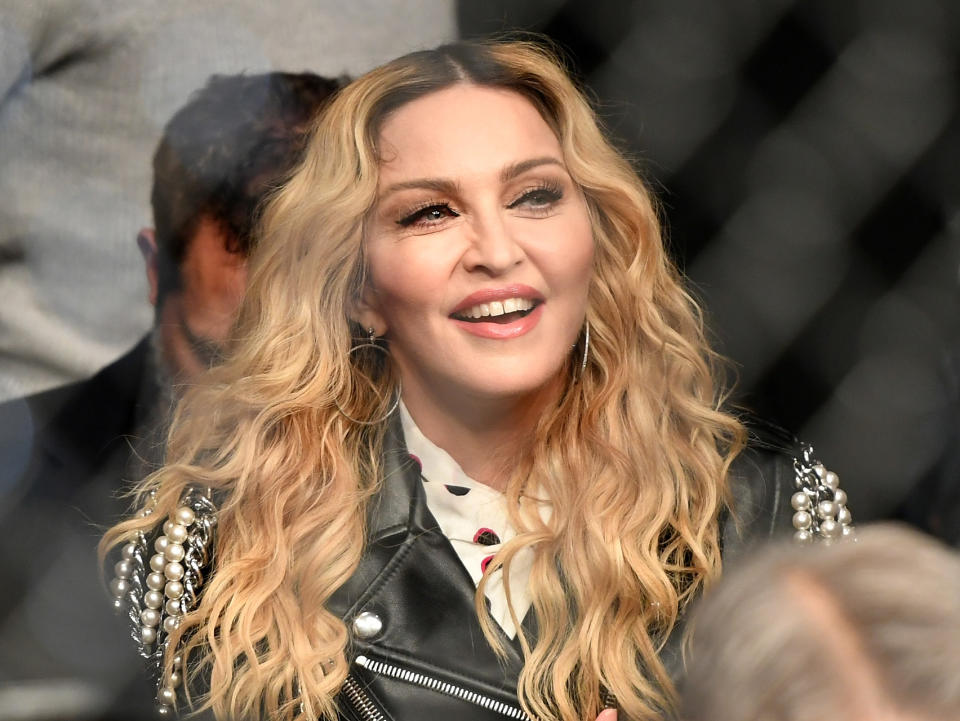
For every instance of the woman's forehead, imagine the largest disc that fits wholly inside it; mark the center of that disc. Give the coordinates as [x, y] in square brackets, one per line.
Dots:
[464, 128]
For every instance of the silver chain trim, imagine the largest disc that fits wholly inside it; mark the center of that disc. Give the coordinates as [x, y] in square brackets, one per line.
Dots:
[157, 590]
[819, 504]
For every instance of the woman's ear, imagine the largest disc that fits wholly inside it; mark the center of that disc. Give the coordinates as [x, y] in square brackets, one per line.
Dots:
[364, 310]
[147, 242]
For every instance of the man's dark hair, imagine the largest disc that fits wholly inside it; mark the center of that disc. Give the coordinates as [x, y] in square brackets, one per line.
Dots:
[223, 152]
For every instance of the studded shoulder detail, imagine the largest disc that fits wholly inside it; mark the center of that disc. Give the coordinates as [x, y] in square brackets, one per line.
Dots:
[156, 590]
[819, 504]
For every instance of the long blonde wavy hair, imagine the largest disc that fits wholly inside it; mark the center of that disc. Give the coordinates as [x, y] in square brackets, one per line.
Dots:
[633, 456]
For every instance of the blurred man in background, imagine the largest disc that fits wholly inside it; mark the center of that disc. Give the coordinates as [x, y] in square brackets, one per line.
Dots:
[85, 89]
[864, 631]
[65, 454]
[220, 155]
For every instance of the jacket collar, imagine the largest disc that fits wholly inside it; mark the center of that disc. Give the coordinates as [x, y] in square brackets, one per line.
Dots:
[401, 504]
[400, 508]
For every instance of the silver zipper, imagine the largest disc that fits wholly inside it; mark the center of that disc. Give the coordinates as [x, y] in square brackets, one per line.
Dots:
[434, 684]
[360, 701]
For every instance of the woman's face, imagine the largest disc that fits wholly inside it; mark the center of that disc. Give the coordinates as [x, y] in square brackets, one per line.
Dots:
[480, 249]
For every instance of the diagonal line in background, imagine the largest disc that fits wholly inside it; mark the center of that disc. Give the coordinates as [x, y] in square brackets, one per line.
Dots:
[782, 253]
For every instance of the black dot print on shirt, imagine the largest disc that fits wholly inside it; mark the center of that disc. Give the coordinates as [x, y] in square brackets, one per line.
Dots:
[486, 537]
[457, 490]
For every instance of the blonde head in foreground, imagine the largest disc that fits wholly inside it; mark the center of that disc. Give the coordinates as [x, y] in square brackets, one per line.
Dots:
[632, 452]
[864, 631]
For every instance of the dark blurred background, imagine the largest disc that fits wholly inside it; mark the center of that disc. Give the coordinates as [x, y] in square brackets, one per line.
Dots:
[806, 157]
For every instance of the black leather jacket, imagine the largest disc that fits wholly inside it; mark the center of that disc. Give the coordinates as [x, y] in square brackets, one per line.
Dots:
[418, 649]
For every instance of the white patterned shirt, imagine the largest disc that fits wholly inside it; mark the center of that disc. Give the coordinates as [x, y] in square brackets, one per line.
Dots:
[473, 517]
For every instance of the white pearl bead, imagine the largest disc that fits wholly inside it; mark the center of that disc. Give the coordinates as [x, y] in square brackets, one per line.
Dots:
[176, 533]
[844, 516]
[167, 696]
[150, 617]
[177, 661]
[830, 528]
[820, 470]
[173, 589]
[174, 679]
[153, 599]
[156, 581]
[800, 501]
[170, 623]
[840, 497]
[848, 531]
[129, 551]
[118, 604]
[167, 525]
[160, 545]
[157, 562]
[803, 536]
[173, 571]
[148, 635]
[826, 509]
[173, 607]
[802, 520]
[831, 480]
[174, 552]
[184, 516]
[119, 587]
[123, 569]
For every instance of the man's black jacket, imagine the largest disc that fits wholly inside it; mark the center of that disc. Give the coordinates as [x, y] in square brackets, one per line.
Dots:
[63, 455]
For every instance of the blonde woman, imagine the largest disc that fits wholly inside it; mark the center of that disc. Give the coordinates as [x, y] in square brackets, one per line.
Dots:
[466, 458]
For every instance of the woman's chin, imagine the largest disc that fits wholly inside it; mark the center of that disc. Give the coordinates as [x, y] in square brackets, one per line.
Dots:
[517, 386]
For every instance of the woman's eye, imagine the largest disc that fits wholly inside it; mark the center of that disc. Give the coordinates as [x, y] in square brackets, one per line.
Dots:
[429, 215]
[538, 199]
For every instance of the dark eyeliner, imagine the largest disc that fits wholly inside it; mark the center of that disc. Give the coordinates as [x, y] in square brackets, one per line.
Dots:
[417, 214]
[552, 191]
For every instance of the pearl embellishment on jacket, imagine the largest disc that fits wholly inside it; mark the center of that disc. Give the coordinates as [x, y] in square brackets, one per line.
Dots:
[819, 505]
[159, 591]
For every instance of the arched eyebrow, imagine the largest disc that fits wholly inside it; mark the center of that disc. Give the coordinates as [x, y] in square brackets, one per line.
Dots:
[449, 187]
[516, 169]
[441, 185]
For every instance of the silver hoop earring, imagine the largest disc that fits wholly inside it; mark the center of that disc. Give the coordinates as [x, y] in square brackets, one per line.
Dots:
[586, 346]
[371, 342]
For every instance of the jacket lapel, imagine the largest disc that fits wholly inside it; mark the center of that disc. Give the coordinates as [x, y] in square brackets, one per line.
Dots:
[411, 577]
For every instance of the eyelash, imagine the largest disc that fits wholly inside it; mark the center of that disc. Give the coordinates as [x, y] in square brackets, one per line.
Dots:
[417, 216]
[547, 193]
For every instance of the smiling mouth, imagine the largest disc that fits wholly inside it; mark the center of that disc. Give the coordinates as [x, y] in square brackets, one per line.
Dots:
[501, 312]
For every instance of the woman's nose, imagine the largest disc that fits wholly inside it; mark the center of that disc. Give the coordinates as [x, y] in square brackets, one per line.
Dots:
[493, 247]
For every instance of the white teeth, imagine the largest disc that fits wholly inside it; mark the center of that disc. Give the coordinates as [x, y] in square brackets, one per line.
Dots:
[509, 305]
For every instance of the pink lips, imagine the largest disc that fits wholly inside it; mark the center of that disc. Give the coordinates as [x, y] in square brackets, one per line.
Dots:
[500, 331]
[488, 295]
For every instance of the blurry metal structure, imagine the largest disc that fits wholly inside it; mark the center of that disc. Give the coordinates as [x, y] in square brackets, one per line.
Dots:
[806, 156]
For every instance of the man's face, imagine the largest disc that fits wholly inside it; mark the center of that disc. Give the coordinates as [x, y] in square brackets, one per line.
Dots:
[195, 319]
